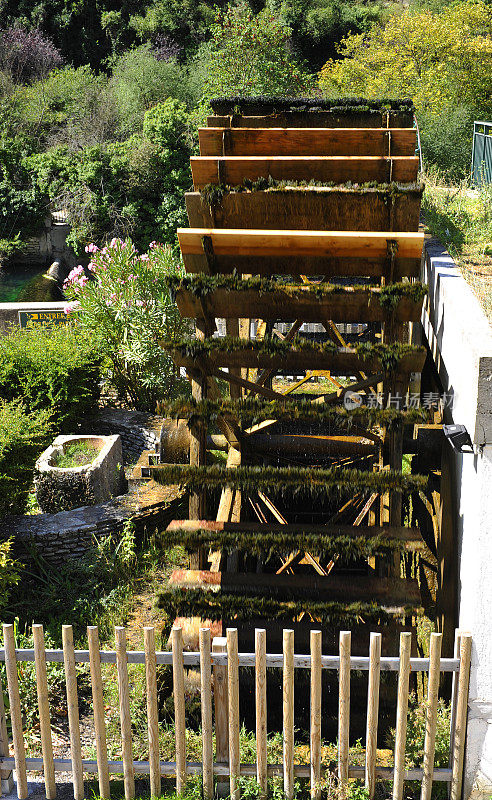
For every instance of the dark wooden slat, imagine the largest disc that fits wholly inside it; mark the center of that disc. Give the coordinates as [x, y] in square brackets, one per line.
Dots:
[307, 141]
[343, 362]
[324, 169]
[336, 587]
[314, 119]
[349, 306]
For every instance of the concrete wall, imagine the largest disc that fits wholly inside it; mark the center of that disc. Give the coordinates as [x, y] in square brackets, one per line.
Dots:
[460, 339]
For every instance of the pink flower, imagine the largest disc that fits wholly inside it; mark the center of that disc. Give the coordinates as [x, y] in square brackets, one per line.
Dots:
[71, 307]
[152, 245]
[91, 248]
[144, 257]
[140, 303]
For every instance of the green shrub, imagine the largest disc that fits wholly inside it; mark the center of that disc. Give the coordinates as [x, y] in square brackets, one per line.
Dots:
[9, 572]
[56, 370]
[23, 436]
[128, 310]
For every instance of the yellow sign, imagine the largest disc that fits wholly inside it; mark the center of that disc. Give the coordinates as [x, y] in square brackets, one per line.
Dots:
[45, 318]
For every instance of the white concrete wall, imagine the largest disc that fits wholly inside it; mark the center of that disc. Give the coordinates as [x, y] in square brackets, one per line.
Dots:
[460, 339]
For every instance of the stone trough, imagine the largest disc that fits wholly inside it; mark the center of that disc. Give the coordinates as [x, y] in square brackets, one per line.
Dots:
[61, 488]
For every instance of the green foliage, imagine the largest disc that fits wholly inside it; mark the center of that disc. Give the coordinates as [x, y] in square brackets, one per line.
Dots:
[56, 370]
[9, 571]
[126, 310]
[217, 605]
[298, 480]
[22, 437]
[440, 59]
[248, 54]
[133, 187]
[23, 205]
[139, 81]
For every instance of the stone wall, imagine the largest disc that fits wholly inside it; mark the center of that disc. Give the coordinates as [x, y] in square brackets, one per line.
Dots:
[71, 534]
[138, 430]
[460, 340]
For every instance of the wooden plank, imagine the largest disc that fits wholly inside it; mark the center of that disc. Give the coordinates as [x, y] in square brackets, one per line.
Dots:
[401, 714]
[98, 710]
[459, 739]
[233, 693]
[261, 709]
[221, 701]
[401, 534]
[271, 118]
[124, 709]
[152, 711]
[206, 709]
[344, 707]
[44, 711]
[342, 306]
[372, 713]
[179, 708]
[431, 715]
[315, 715]
[73, 712]
[288, 712]
[344, 361]
[195, 768]
[387, 591]
[292, 243]
[15, 711]
[234, 170]
[6, 779]
[307, 142]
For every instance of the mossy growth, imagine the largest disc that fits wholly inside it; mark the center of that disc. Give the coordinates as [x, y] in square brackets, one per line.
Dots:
[389, 355]
[253, 410]
[220, 605]
[213, 193]
[349, 548]
[313, 481]
[388, 296]
[271, 105]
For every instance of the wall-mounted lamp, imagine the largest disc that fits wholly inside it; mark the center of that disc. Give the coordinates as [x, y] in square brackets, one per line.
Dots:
[459, 438]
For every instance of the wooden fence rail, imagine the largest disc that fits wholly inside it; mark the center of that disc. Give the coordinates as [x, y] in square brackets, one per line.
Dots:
[222, 660]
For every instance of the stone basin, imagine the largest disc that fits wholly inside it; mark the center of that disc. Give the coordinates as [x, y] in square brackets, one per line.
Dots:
[65, 488]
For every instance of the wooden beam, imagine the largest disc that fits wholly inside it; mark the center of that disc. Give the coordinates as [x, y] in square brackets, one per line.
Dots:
[233, 170]
[336, 587]
[347, 305]
[307, 142]
[286, 243]
[410, 536]
[345, 361]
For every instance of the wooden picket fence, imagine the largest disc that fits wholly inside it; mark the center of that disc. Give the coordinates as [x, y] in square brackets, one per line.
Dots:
[221, 659]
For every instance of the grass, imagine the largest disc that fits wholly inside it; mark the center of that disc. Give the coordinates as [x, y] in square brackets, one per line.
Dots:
[76, 454]
[461, 217]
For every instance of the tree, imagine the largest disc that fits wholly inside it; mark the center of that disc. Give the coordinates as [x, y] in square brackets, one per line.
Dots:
[441, 60]
[249, 55]
[437, 59]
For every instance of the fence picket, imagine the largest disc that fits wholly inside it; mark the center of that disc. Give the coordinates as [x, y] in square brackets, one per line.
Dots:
[401, 714]
[98, 708]
[44, 711]
[344, 706]
[152, 712]
[372, 712]
[261, 709]
[179, 708]
[15, 711]
[461, 716]
[233, 683]
[206, 704]
[288, 712]
[125, 716]
[73, 712]
[431, 715]
[315, 715]
[6, 780]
